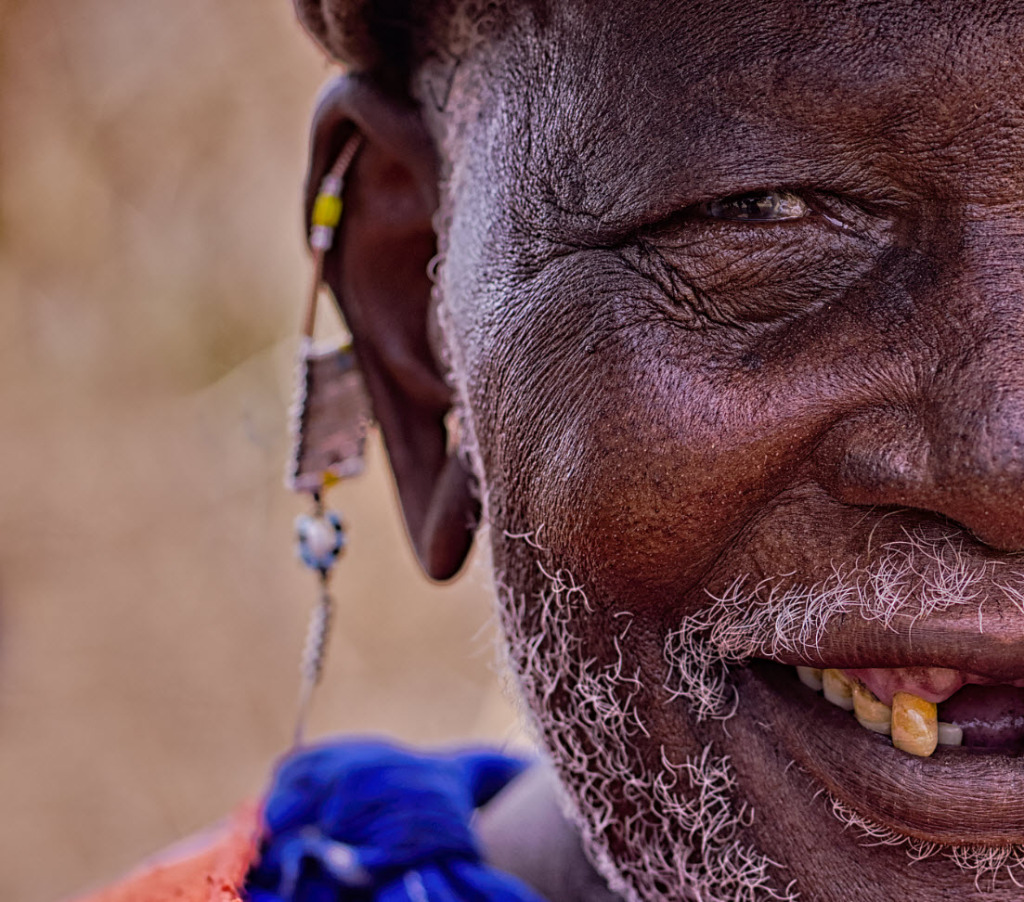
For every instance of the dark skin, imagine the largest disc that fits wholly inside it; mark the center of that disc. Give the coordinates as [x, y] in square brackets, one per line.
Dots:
[679, 398]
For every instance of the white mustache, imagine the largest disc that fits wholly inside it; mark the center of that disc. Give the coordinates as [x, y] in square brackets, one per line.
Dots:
[905, 580]
[909, 579]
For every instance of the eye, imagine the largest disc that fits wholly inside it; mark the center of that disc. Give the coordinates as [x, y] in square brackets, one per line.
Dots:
[758, 206]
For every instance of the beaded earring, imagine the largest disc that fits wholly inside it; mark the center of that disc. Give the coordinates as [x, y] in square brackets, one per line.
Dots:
[329, 420]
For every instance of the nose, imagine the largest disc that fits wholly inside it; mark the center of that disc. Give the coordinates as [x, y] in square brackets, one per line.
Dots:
[965, 464]
[954, 444]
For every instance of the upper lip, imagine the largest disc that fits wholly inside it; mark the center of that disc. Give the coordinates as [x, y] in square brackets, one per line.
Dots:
[986, 641]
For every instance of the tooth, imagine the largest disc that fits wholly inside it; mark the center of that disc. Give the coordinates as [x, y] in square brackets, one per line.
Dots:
[837, 688]
[915, 724]
[810, 677]
[950, 734]
[870, 712]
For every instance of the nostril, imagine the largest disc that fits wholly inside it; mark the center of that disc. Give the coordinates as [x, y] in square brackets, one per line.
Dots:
[866, 473]
[877, 458]
[998, 533]
[888, 459]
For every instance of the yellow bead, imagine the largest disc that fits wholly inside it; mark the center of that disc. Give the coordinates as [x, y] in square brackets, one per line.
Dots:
[327, 211]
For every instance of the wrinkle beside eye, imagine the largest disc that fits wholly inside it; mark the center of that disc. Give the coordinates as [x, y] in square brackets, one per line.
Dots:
[741, 276]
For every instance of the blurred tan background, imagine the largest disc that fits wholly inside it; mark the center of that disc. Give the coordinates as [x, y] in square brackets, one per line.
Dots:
[151, 610]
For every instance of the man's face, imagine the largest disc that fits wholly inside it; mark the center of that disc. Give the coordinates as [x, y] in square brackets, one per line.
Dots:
[735, 301]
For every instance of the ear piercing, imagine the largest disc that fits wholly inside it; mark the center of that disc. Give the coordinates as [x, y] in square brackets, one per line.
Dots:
[329, 420]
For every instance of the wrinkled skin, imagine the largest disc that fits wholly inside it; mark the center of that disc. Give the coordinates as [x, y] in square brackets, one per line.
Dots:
[666, 401]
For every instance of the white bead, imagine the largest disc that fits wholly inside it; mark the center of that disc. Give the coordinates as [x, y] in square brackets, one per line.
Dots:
[320, 540]
[321, 238]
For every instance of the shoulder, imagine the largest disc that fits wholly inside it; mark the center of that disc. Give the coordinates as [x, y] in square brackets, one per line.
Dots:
[524, 833]
[210, 867]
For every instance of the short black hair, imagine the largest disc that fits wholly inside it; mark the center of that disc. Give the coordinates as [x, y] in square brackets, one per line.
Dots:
[374, 37]
[389, 39]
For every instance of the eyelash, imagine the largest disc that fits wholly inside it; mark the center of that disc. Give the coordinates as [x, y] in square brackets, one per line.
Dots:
[839, 213]
[764, 207]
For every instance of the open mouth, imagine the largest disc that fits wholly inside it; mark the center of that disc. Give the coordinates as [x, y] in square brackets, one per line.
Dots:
[921, 708]
[931, 752]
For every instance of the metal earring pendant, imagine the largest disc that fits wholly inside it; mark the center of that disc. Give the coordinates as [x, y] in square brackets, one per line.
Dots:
[329, 421]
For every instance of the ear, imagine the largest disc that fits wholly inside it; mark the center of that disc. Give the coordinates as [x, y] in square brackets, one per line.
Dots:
[378, 273]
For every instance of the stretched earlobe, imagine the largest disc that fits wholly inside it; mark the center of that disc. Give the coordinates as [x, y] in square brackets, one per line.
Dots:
[377, 271]
[444, 547]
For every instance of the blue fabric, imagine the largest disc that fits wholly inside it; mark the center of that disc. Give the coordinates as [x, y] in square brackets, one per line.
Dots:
[367, 821]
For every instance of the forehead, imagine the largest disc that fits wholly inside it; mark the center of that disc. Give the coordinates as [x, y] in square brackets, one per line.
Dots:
[636, 109]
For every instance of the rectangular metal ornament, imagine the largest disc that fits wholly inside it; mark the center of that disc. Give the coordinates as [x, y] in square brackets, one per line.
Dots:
[329, 417]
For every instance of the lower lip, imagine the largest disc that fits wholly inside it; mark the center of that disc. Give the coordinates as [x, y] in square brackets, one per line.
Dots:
[954, 797]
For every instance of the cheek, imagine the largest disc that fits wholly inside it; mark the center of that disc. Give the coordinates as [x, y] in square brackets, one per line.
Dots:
[663, 484]
[637, 449]
[645, 450]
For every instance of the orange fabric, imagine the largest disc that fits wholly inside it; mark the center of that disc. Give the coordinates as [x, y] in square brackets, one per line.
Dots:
[214, 872]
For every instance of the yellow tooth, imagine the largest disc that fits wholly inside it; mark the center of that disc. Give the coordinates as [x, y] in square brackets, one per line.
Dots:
[915, 724]
[810, 677]
[870, 712]
[950, 734]
[837, 688]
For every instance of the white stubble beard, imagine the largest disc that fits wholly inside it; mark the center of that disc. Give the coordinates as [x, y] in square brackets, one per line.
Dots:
[681, 824]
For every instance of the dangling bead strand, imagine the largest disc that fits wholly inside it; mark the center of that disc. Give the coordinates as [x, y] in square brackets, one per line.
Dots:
[320, 541]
